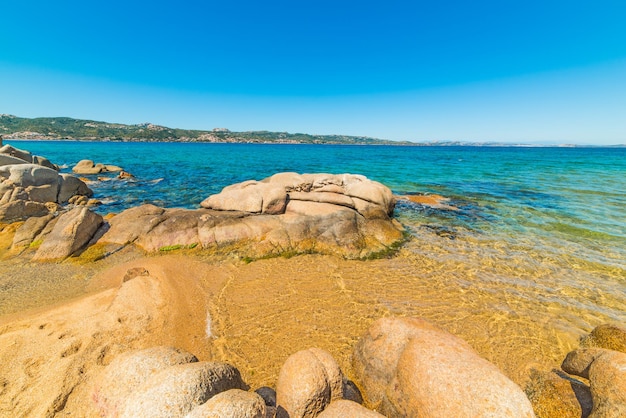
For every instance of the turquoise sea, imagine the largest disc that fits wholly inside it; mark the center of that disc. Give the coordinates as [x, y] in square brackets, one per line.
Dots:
[539, 237]
[559, 199]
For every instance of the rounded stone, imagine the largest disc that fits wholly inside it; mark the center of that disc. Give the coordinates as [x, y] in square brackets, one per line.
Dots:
[130, 370]
[233, 403]
[302, 389]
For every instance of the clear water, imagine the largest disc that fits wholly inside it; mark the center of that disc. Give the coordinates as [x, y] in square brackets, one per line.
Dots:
[535, 256]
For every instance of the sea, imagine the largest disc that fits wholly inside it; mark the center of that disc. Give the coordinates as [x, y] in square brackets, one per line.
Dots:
[538, 235]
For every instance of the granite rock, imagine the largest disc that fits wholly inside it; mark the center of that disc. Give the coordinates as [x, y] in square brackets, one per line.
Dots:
[128, 371]
[233, 403]
[307, 383]
[177, 390]
[407, 366]
[343, 408]
[73, 230]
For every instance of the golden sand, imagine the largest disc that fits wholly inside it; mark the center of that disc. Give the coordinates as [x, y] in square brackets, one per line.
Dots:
[517, 314]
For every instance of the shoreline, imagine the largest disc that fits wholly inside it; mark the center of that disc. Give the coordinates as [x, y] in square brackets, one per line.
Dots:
[327, 290]
[415, 145]
[177, 277]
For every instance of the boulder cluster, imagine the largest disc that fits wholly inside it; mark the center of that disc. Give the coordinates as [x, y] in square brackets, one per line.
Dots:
[31, 186]
[405, 367]
[287, 213]
[342, 214]
[591, 382]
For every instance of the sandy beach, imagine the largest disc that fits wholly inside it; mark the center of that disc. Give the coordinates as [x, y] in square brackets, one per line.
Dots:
[255, 315]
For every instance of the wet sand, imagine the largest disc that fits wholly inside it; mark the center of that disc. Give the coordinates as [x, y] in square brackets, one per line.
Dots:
[255, 315]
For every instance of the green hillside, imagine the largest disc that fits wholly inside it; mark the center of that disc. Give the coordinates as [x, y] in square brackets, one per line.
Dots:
[13, 127]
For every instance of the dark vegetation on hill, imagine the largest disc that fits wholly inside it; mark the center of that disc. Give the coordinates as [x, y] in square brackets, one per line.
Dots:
[13, 127]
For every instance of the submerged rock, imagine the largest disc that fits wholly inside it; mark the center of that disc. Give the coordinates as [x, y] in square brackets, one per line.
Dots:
[606, 371]
[609, 336]
[434, 201]
[555, 395]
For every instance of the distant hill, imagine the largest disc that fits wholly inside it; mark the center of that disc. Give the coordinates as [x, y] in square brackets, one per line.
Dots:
[13, 127]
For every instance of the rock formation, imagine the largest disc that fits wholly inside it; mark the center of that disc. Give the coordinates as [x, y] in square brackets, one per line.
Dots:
[22, 157]
[345, 214]
[233, 403]
[89, 167]
[409, 367]
[31, 185]
[344, 408]
[308, 381]
[337, 214]
[72, 231]
[596, 384]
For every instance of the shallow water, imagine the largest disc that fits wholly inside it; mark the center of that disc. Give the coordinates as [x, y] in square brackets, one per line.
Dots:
[534, 258]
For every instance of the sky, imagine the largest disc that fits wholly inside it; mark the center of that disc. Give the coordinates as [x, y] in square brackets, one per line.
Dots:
[480, 71]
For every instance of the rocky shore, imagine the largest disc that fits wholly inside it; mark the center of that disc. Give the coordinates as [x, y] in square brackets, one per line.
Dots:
[342, 214]
[149, 339]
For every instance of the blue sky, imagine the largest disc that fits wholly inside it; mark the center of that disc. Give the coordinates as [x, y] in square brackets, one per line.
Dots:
[533, 71]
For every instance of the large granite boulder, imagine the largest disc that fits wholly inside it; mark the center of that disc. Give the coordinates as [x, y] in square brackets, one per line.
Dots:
[129, 371]
[30, 229]
[12, 155]
[607, 380]
[233, 403]
[308, 381]
[274, 194]
[601, 362]
[72, 231]
[16, 210]
[70, 186]
[347, 215]
[6, 159]
[409, 367]
[25, 175]
[177, 390]
[250, 196]
[23, 184]
[606, 371]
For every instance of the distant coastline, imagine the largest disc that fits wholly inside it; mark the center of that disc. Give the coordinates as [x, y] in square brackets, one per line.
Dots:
[68, 129]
